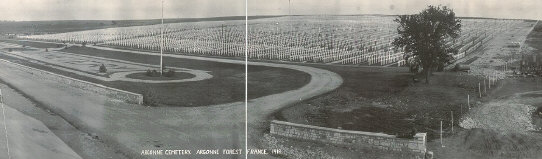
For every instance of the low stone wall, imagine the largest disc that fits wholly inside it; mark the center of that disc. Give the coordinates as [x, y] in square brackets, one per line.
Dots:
[114, 93]
[415, 147]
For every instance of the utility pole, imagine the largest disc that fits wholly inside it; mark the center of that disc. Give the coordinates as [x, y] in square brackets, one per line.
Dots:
[441, 141]
[468, 100]
[452, 114]
[162, 41]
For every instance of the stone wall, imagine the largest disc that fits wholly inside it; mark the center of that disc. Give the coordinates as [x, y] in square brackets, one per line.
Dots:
[114, 93]
[357, 139]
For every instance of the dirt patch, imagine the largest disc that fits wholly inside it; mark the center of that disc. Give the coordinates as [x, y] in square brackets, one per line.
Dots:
[501, 116]
[494, 142]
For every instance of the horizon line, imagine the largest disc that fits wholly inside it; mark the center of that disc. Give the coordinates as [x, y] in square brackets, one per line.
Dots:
[241, 16]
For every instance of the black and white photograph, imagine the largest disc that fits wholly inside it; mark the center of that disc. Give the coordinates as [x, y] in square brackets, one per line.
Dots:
[271, 79]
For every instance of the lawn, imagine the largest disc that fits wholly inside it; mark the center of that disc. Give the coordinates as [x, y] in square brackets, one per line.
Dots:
[226, 86]
[378, 99]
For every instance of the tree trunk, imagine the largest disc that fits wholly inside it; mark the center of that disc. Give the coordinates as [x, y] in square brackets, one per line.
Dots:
[427, 73]
[440, 68]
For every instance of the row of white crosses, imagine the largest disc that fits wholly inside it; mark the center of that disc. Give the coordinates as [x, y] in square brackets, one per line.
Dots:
[324, 39]
[212, 38]
[226, 40]
[473, 36]
[98, 36]
[350, 39]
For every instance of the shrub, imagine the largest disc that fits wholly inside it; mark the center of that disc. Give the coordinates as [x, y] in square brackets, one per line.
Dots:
[170, 73]
[539, 112]
[103, 69]
[155, 73]
[148, 73]
[150, 96]
[408, 135]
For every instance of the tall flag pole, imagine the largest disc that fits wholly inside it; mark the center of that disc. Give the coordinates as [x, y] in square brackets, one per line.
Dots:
[289, 10]
[162, 40]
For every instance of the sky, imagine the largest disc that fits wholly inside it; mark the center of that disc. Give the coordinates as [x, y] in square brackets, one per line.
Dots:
[33, 10]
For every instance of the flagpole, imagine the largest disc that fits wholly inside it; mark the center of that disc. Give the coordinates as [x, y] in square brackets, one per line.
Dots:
[289, 10]
[162, 40]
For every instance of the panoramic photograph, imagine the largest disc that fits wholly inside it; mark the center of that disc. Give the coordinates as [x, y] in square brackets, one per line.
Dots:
[239, 79]
[399, 79]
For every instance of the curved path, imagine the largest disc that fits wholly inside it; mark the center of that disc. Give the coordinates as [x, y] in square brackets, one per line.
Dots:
[87, 66]
[137, 127]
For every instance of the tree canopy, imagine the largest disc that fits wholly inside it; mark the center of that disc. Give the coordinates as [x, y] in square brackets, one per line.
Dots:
[423, 37]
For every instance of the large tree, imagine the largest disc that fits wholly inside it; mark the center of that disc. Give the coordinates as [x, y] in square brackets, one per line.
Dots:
[423, 38]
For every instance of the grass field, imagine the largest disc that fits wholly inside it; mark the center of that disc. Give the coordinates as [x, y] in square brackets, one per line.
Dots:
[386, 100]
[227, 84]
